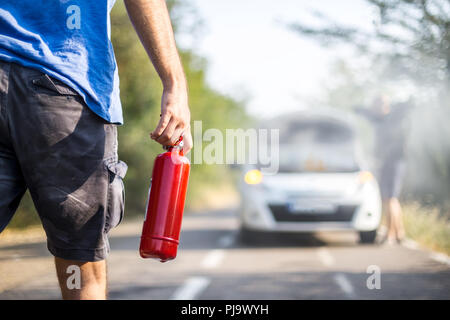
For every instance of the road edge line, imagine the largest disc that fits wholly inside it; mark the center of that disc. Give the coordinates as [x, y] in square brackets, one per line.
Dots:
[344, 283]
[434, 255]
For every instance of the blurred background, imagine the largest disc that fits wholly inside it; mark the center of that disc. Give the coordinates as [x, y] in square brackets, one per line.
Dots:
[253, 62]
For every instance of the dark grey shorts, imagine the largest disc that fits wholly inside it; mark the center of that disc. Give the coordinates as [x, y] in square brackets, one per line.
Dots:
[54, 145]
[392, 173]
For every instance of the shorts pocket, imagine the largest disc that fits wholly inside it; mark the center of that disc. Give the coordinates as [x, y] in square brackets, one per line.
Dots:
[47, 84]
[116, 194]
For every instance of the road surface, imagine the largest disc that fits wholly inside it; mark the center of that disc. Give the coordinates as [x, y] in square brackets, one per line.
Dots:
[213, 263]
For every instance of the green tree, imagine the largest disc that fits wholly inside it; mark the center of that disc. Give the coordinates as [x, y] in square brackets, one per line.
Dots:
[413, 35]
[141, 93]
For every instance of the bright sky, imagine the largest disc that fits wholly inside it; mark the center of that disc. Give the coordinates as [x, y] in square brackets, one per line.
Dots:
[251, 52]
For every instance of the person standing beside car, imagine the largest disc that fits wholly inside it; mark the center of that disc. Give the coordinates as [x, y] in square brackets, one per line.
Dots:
[390, 128]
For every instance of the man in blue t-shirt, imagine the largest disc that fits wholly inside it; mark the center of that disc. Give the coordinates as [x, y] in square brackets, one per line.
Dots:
[59, 111]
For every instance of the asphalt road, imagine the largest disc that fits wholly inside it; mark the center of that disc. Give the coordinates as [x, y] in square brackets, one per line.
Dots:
[213, 263]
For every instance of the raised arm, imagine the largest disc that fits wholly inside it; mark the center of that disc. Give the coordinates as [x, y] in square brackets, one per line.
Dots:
[152, 24]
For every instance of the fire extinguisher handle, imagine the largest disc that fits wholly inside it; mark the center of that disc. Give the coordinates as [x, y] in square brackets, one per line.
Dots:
[179, 144]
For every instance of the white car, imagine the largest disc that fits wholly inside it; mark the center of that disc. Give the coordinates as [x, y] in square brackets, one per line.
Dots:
[321, 184]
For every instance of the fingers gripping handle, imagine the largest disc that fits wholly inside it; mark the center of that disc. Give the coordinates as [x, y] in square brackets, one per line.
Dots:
[179, 144]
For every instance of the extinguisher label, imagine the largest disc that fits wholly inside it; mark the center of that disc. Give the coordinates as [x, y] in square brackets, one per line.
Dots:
[148, 199]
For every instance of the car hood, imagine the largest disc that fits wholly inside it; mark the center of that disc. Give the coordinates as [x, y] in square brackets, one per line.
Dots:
[312, 184]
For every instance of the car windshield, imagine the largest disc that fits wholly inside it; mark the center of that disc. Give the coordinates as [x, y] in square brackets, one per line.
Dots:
[317, 146]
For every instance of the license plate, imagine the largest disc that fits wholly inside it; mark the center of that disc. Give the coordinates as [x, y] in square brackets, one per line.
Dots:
[311, 207]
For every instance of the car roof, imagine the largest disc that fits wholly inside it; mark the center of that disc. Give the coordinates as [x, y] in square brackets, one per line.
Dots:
[313, 114]
[325, 117]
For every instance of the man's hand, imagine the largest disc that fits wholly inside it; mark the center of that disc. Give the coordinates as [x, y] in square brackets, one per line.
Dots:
[175, 119]
[152, 23]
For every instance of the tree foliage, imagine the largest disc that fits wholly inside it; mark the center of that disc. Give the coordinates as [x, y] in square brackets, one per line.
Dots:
[414, 35]
[141, 93]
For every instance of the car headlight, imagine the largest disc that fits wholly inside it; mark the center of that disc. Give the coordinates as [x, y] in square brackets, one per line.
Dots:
[364, 177]
[253, 177]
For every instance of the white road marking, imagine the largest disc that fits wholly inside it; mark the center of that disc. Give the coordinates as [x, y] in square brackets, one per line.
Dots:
[213, 259]
[325, 257]
[344, 284]
[216, 256]
[436, 256]
[440, 257]
[191, 288]
[195, 285]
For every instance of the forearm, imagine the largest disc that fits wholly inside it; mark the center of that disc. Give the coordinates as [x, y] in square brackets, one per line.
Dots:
[152, 24]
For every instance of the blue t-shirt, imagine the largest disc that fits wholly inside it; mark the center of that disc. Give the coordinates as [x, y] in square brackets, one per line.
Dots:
[70, 41]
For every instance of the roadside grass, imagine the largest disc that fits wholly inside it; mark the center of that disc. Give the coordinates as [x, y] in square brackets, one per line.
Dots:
[25, 215]
[427, 226]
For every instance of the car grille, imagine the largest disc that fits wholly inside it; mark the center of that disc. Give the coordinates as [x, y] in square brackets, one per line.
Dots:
[343, 213]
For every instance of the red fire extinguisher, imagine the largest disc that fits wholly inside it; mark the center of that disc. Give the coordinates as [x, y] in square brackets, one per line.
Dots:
[162, 222]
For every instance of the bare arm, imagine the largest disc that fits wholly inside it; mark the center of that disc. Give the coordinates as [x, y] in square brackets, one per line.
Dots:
[152, 24]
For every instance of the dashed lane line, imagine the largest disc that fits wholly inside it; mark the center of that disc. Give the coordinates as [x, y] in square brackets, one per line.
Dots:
[194, 286]
[213, 259]
[325, 257]
[344, 283]
[191, 288]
